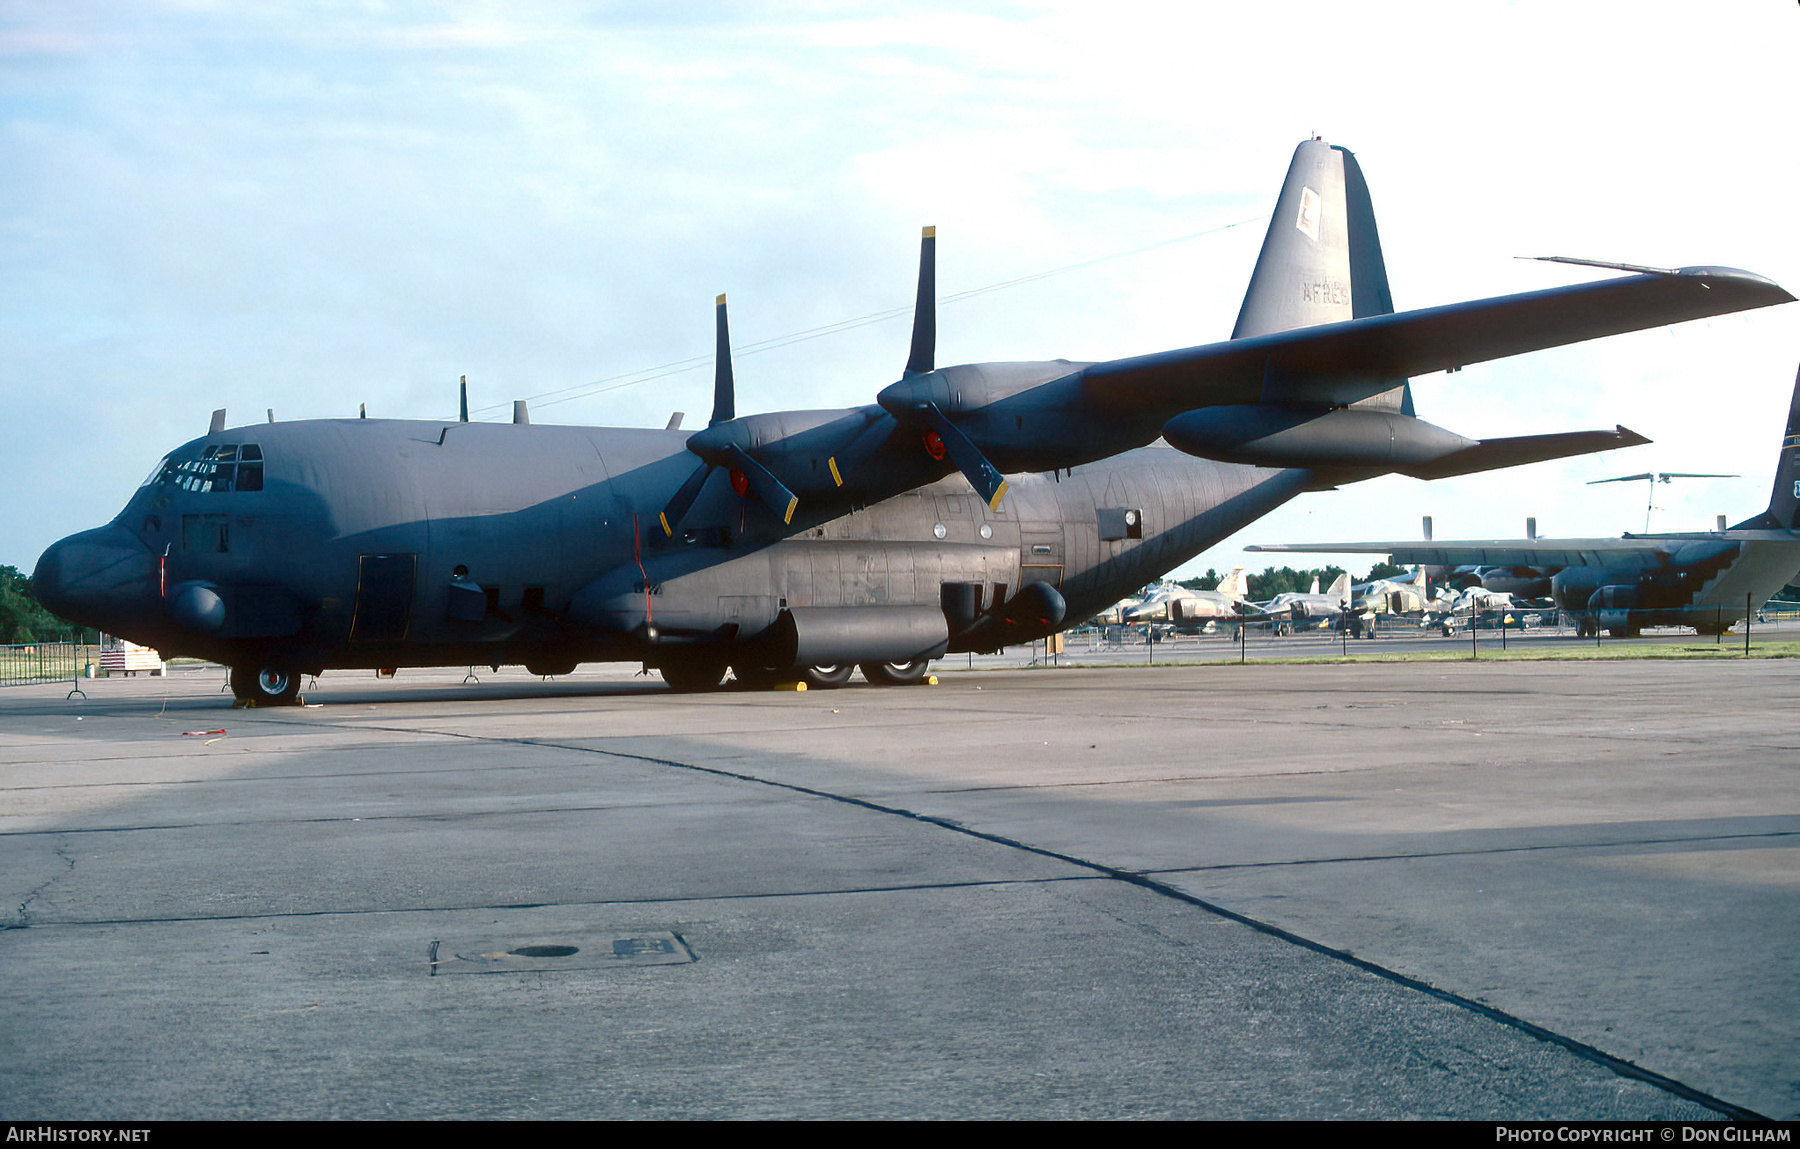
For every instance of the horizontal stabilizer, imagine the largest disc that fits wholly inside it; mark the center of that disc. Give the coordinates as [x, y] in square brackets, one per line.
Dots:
[1491, 454]
[1337, 363]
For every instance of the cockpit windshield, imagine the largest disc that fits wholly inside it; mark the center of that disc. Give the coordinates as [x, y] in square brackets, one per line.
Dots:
[215, 467]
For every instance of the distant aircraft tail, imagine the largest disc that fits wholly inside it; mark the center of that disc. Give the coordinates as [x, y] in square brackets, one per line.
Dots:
[1784, 500]
[1321, 259]
[1236, 584]
[1340, 587]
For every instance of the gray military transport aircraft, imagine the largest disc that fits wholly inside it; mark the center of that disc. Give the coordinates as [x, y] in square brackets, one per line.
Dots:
[967, 508]
[1708, 580]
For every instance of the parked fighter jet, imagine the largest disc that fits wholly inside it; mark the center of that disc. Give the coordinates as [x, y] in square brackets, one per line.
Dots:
[967, 508]
[1192, 609]
[1292, 609]
[1706, 580]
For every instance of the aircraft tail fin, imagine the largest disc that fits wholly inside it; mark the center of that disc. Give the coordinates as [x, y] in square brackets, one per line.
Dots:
[1340, 587]
[1784, 500]
[1236, 584]
[1321, 260]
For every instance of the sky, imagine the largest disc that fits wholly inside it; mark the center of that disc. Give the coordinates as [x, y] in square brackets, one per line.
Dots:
[307, 207]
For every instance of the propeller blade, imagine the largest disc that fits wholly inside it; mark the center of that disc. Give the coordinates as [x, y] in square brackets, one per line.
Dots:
[763, 484]
[684, 498]
[924, 336]
[982, 475]
[724, 393]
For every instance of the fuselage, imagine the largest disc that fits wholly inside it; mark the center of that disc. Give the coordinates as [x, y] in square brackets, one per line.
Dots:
[384, 543]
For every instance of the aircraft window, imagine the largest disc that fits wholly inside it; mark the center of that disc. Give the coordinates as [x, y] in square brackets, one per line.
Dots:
[219, 467]
[1120, 523]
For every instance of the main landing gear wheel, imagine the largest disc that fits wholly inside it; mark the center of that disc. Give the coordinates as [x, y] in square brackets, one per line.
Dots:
[896, 673]
[826, 677]
[693, 677]
[265, 685]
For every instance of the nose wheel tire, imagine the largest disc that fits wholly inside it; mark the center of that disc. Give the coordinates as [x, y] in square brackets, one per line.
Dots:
[265, 685]
[896, 673]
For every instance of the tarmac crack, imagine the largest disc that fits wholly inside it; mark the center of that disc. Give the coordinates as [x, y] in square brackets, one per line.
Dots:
[485, 907]
[22, 919]
[1620, 843]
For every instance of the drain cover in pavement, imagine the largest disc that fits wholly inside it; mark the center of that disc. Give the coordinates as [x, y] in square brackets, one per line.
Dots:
[597, 950]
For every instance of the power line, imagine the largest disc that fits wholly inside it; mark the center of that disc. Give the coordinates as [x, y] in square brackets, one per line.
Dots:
[676, 367]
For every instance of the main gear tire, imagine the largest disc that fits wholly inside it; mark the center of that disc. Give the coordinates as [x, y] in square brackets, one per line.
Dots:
[896, 673]
[826, 677]
[266, 685]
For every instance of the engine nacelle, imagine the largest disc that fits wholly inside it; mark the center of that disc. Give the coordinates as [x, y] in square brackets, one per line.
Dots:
[1271, 436]
[1614, 597]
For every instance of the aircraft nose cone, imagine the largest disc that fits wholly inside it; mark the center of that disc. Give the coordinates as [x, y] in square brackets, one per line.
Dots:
[97, 577]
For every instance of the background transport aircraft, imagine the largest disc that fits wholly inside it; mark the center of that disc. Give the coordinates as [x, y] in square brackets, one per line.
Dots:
[967, 508]
[1708, 580]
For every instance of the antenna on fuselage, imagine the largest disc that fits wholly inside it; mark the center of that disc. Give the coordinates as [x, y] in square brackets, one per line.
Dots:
[271, 414]
[465, 399]
[924, 336]
[724, 390]
[521, 413]
[218, 422]
[362, 410]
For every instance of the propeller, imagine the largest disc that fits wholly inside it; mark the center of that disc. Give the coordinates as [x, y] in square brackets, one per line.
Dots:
[914, 401]
[1662, 477]
[924, 337]
[1656, 477]
[719, 445]
[945, 436]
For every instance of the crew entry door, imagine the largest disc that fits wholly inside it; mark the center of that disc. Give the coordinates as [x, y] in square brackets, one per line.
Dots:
[384, 597]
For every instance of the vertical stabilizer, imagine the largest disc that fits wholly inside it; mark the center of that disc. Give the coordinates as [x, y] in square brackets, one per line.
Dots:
[1303, 275]
[1321, 260]
[1340, 587]
[1236, 584]
[1784, 500]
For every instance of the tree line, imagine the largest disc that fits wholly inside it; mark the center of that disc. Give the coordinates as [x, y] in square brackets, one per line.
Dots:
[23, 619]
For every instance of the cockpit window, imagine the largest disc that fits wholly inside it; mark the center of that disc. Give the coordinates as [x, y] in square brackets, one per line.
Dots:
[218, 467]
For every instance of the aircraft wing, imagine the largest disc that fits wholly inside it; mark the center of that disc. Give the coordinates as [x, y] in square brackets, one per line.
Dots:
[1334, 363]
[1613, 552]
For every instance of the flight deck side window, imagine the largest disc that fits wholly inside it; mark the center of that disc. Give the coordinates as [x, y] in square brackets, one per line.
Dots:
[206, 534]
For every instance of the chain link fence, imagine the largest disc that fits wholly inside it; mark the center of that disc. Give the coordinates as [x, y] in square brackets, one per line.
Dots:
[39, 662]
